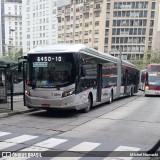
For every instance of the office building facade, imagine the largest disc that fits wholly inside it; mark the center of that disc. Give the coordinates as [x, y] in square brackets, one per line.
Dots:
[111, 26]
[39, 23]
[11, 26]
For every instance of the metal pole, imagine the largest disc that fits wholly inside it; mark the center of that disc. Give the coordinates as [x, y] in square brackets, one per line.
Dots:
[24, 83]
[11, 80]
[12, 30]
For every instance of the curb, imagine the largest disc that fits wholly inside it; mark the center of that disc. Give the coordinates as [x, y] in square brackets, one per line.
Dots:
[12, 113]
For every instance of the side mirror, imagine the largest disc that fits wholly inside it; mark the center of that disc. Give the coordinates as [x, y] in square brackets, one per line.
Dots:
[33, 85]
[20, 67]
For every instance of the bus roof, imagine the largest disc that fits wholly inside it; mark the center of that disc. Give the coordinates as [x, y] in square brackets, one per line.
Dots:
[76, 48]
[68, 48]
[129, 64]
[58, 48]
[153, 67]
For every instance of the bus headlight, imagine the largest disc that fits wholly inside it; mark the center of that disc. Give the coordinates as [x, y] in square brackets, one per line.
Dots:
[68, 93]
[27, 92]
[146, 87]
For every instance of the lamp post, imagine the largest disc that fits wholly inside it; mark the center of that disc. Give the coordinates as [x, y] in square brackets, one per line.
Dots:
[120, 53]
[12, 30]
[11, 75]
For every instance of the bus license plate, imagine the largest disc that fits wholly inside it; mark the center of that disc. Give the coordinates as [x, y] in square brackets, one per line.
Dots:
[45, 105]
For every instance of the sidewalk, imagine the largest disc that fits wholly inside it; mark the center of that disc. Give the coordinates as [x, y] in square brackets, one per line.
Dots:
[18, 107]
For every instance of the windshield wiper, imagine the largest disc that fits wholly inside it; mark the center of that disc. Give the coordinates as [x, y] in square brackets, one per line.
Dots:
[57, 87]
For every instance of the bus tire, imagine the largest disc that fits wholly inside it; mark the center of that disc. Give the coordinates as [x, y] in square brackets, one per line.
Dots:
[111, 97]
[89, 105]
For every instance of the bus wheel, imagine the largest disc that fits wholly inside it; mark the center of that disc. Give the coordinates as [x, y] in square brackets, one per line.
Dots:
[110, 98]
[89, 105]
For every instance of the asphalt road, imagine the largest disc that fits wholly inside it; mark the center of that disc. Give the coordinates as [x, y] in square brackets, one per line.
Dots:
[130, 124]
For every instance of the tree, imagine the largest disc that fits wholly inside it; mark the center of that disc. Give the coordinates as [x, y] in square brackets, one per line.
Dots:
[150, 56]
[13, 55]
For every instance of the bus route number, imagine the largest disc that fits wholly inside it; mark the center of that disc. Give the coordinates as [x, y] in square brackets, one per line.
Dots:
[49, 59]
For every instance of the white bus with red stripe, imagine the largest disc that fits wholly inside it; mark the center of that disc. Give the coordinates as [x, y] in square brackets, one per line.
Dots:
[73, 76]
[152, 83]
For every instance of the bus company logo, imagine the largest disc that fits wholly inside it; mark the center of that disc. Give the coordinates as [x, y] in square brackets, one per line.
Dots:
[6, 154]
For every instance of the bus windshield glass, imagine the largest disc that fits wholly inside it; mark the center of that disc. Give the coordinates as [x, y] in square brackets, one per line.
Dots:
[50, 70]
[154, 78]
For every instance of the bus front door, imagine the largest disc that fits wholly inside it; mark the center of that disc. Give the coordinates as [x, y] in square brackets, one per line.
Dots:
[99, 82]
[22, 70]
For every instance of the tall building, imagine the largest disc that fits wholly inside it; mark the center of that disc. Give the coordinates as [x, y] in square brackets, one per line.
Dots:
[1, 26]
[158, 33]
[82, 22]
[131, 27]
[61, 3]
[111, 26]
[39, 23]
[11, 26]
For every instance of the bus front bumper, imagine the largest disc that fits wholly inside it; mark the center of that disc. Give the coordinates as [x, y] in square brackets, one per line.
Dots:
[152, 92]
[59, 103]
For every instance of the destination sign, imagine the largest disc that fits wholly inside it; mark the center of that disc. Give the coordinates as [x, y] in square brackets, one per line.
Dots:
[50, 58]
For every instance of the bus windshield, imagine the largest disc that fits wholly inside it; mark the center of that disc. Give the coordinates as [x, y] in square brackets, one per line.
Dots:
[154, 78]
[50, 70]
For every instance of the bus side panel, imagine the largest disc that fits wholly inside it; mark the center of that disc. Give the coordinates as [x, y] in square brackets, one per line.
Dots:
[130, 80]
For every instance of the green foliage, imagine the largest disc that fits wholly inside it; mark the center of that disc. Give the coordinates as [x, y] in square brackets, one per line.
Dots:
[13, 55]
[149, 57]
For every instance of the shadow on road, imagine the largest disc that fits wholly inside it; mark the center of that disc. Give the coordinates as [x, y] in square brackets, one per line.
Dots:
[55, 113]
[62, 113]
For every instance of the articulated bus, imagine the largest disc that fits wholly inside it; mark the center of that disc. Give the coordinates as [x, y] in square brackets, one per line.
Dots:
[152, 81]
[73, 76]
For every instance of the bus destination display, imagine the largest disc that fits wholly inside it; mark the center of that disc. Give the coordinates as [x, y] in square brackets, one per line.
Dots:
[49, 58]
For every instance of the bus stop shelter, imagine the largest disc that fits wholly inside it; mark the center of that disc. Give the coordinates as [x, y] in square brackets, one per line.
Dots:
[3, 88]
[6, 86]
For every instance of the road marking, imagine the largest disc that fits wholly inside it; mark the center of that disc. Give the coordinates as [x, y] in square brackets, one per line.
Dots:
[4, 133]
[16, 140]
[45, 145]
[82, 147]
[123, 148]
[41, 146]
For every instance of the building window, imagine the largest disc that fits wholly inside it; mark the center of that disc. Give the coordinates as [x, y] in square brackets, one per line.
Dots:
[107, 15]
[96, 40]
[97, 23]
[106, 40]
[152, 14]
[97, 14]
[151, 23]
[108, 6]
[107, 23]
[85, 40]
[153, 5]
[86, 33]
[151, 32]
[96, 32]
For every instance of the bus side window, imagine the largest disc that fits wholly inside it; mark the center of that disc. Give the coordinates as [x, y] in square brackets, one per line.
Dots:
[82, 71]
